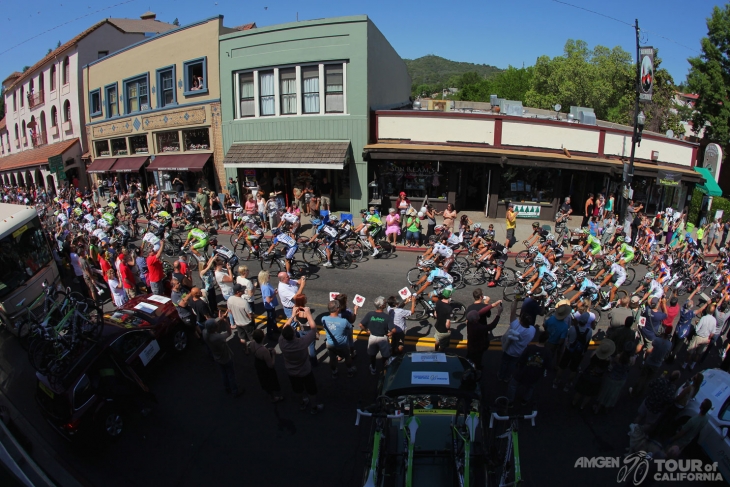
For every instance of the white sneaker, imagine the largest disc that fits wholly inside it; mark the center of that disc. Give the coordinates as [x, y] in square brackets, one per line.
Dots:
[327, 264]
[607, 307]
[375, 252]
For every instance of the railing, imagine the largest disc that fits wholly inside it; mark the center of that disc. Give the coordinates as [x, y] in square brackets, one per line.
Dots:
[35, 99]
[39, 139]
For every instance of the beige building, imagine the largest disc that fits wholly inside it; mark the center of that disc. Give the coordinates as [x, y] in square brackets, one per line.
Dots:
[153, 110]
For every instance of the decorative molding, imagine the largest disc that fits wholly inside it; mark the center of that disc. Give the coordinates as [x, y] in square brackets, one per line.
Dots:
[174, 118]
[117, 127]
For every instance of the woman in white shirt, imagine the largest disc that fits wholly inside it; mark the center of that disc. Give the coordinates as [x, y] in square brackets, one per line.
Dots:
[224, 279]
[118, 294]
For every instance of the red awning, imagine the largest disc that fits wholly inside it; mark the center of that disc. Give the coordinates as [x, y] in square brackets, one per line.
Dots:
[129, 164]
[101, 165]
[180, 162]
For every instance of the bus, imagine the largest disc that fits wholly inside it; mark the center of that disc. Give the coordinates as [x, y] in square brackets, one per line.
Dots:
[26, 262]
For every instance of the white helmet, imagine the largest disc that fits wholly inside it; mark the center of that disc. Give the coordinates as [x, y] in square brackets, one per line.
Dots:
[239, 210]
[533, 249]
[477, 226]
[577, 248]
[246, 219]
[611, 258]
[581, 275]
[627, 240]
[539, 260]
[649, 275]
[550, 236]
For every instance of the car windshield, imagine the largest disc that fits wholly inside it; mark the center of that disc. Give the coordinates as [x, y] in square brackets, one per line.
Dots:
[23, 253]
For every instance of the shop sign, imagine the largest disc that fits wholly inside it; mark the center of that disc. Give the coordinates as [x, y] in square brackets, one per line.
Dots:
[527, 211]
[668, 178]
[713, 159]
[55, 164]
[646, 84]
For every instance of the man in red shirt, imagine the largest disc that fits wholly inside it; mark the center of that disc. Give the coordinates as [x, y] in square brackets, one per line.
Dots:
[104, 264]
[154, 269]
[125, 274]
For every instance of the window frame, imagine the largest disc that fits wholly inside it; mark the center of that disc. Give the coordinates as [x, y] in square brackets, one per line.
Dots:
[66, 111]
[319, 89]
[342, 92]
[239, 112]
[53, 73]
[160, 90]
[260, 97]
[107, 104]
[54, 119]
[186, 80]
[135, 79]
[282, 94]
[65, 71]
[101, 54]
[93, 113]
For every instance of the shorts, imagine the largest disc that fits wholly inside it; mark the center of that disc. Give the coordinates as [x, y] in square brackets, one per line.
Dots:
[378, 344]
[698, 344]
[594, 250]
[510, 233]
[202, 244]
[245, 332]
[619, 280]
[571, 360]
[448, 262]
[324, 200]
[301, 384]
[335, 351]
[501, 261]
[398, 339]
[291, 251]
[442, 339]
[374, 231]
[215, 213]
[627, 258]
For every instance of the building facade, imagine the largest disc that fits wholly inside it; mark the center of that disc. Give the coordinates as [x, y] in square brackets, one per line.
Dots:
[483, 161]
[154, 110]
[297, 103]
[46, 106]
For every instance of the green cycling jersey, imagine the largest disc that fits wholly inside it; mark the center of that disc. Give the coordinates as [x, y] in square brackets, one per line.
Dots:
[626, 250]
[593, 242]
[197, 234]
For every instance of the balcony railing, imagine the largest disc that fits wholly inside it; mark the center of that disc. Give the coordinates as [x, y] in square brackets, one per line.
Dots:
[39, 139]
[35, 99]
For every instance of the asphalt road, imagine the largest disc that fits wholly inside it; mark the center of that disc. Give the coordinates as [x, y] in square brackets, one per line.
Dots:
[196, 435]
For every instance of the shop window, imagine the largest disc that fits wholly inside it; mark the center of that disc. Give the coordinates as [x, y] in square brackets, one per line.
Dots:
[527, 184]
[248, 102]
[310, 89]
[266, 93]
[137, 96]
[102, 148]
[334, 89]
[288, 90]
[112, 102]
[417, 179]
[138, 144]
[197, 139]
[168, 141]
[119, 147]
[166, 87]
[95, 103]
[196, 77]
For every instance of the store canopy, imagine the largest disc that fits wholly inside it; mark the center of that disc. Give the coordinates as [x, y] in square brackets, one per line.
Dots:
[36, 157]
[129, 164]
[180, 162]
[300, 155]
[710, 187]
[101, 165]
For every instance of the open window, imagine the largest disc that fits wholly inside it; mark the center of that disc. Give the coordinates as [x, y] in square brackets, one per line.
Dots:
[196, 76]
[95, 103]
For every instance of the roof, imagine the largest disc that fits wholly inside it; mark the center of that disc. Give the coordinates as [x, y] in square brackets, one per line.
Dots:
[250, 26]
[141, 26]
[35, 157]
[276, 153]
[14, 74]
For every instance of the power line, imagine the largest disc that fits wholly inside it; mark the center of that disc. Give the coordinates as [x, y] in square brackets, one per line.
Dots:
[65, 23]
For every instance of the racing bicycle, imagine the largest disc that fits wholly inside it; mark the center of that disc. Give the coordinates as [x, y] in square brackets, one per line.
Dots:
[384, 410]
[504, 467]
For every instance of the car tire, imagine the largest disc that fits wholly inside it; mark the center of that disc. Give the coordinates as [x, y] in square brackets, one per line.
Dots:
[111, 423]
[180, 340]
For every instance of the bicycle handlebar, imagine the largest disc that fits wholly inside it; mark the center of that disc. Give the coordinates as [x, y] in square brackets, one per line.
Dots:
[360, 412]
[494, 416]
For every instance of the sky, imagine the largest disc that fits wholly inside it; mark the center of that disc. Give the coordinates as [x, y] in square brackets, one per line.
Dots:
[504, 33]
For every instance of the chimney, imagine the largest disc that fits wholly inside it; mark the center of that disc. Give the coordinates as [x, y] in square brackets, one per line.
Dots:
[148, 16]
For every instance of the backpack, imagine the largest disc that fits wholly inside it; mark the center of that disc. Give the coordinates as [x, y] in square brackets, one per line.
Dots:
[580, 345]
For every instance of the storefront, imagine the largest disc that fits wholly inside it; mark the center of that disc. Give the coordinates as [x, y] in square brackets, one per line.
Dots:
[192, 171]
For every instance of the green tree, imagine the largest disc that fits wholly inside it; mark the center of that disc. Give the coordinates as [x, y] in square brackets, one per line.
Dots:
[511, 84]
[470, 78]
[709, 77]
[176, 22]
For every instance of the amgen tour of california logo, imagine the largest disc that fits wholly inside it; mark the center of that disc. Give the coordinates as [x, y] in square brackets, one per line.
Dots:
[635, 468]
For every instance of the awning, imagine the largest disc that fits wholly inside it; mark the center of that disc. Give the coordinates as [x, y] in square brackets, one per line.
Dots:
[36, 157]
[180, 162]
[710, 187]
[129, 164]
[101, 165]
[302, 155]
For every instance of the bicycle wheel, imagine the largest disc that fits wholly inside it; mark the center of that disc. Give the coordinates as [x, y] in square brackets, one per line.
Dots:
[521, 257]
[508, 277]
[40, 354]
[299, 269]
[192, 262]
[458, 312]
[475, 276]
[458, 279]
[462, 263]
[414, 275]
[246, 254]
[421, 312]
[355, 251]
[630, 276]
[341, 259]
[236, 243]
[27, 332]
[597, 311]
[272, 266]
[510, 293]
[312, 255]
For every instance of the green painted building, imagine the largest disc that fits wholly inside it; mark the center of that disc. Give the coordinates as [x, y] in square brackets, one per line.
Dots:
[298, 102]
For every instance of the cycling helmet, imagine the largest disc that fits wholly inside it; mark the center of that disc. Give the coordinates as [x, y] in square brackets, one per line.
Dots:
[489, 237]
[426, 262]
[275, 231]
[550, 236]
[533, 249]
[213, 242]
[334, 218]
[611, 259]
[239, 210]
[539, 260]
[628, 239]
[722, 250]
[577, 248]
[649, 276]
[535, 224]
[581, 275]
[477, 226]
[316, 222]
[438, 228]
[687, 235]
[246, 219]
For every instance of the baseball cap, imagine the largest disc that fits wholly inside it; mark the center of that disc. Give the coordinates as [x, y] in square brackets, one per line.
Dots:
[635, 299]
[237, 288]
[584, 318]
[654, 302]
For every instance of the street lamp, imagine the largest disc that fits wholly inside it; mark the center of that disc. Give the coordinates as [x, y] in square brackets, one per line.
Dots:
[640, 121]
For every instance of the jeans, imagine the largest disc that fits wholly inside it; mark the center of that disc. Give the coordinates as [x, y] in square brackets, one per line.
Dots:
[413, 237]
[270, 321]
[287, 312]
[506, 366]
[512, 390]
[312, 348]
[156, 287]
[229, 377]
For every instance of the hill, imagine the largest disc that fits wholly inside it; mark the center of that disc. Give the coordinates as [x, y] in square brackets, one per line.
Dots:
[436, 71]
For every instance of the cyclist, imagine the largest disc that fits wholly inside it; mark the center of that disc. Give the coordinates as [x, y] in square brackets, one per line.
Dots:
[290, 223]
[494, 252]
[289, 241]
[370, 227]
[198, 239]
[654, 288]
[592, 245]
[538, 235]
[440, 253]
[443, 234]
[544, 278]
[617, 270]
[251, 234]
[625, 250]
[534, 252]
[328, 234]
[437, 277]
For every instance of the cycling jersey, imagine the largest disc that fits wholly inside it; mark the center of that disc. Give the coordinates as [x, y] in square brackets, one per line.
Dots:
[89, 218]
[101, 223]
[373, 220]
[290, 217]
[594, 243]
[442, 250]
[328, 232]
[664, 270]
[499, 249]
[587, 284]
[627, 252]
[101, 235]
[655, 289]
[252, 231]
[89, 227]
[440, 274]
[285, 239]
[549, 279]
[108, 217]
[620, 273]
[454, 239]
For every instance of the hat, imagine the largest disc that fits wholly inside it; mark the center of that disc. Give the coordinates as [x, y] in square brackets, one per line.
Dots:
[402, 193]
[271, 195]
[237, 288]
[605, 349]
[634, 302]
[584, 318]
[562, 309]
[511, 205]
[654, 302]
[446, 293]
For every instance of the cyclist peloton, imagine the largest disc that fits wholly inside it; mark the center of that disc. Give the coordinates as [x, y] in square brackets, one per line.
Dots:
[370, 227]
[617, 270]
[328, 234]
[437, 277]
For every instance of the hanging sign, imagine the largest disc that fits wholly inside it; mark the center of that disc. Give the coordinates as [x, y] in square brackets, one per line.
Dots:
[646, 83]
[667, 178]
[55, 164]
[527, 211]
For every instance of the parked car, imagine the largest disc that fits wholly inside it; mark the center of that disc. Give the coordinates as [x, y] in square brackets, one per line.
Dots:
[106, 384]
[714, 438]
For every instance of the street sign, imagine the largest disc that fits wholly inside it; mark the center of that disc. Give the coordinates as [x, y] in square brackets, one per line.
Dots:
[646, 83]
[55, 164]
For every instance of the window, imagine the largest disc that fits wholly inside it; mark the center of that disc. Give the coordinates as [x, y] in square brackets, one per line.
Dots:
[54, 116]
[288, 90]
[310, 89]
[166, 87]
[25, 254]
[248, 104]
[196, 77]
[17, 137]
[101, 54]
[138, 144]
[25, 141]
[527, 185]
[196, 139]
[168, 141]
[22, 96]
[53, 77]
[119, 147]
[266, 93]
[333, 93]
[137, 98]
[95, 103]
[102, 148]
[112, 103]
[15, 101]
[126, 345]
[41, 82]
[66, 111]
[66, 71]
